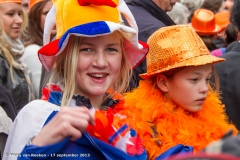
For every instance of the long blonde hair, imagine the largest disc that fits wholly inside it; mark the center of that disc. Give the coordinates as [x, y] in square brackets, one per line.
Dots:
[5, 51]
[65, 68]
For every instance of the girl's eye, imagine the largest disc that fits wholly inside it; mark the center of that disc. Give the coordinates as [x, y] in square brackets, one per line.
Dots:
[208, 80]
[85, 50]
[45, 13]
[10, 14]
[112, 50]
[194, 79]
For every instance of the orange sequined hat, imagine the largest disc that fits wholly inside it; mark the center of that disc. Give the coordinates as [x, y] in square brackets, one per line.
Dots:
[11, 1]
[174, 47]
[222, 19]
[203, 22]
[33, 2]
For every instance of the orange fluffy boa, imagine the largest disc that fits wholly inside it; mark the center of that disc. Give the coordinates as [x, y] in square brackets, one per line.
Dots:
[145, 107]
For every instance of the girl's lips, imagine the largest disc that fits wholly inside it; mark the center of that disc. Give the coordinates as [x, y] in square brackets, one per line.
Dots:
[98, 77]
[98, 80]
[201, 101]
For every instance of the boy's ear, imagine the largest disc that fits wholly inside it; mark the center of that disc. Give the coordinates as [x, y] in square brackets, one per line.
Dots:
[162, 82]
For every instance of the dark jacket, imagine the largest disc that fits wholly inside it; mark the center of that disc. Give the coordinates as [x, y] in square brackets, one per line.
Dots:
[19, 88]
[149, 18]
[7, 103]
[229, 77]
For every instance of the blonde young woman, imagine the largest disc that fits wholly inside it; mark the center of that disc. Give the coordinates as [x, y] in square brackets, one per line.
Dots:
[174, 108]
[91, 61]
[14, 75]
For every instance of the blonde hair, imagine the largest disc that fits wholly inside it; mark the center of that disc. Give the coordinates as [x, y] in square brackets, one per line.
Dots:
[5, 51]
[65, 68]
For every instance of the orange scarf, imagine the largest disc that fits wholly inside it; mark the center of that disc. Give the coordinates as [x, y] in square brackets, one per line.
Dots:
[146, 107]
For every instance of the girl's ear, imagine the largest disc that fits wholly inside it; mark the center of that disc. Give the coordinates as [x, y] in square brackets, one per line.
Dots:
[162, 82]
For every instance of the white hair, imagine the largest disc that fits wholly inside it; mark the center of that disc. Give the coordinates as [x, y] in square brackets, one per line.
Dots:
[179, 14]
[192, 5]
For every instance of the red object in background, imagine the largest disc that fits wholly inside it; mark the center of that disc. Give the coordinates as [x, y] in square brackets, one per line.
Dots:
[97, 2]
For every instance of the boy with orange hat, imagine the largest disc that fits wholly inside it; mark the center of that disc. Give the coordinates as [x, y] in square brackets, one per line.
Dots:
[174, 109]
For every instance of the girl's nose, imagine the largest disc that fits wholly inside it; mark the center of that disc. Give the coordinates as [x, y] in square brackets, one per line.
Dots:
[204, 88]
[100, 60]
[18, 19]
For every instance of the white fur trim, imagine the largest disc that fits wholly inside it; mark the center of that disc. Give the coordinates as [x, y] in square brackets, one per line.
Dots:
[49, 25]
[123, 8]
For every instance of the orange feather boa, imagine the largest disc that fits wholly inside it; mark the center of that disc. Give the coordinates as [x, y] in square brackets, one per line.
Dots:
[146, 107]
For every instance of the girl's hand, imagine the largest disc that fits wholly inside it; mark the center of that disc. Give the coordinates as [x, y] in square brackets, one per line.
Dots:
[68, 122]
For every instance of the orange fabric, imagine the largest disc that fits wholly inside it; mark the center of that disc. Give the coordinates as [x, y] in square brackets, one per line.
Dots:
[33, 2]
[11, 1]
[222, 19]
[203, 21]
[146, 107]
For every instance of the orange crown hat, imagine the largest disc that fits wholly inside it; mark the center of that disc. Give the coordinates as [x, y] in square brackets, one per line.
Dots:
[222, 19]
[203, 22]
[11, 1]
[174, 47]
[33, 2]
[89, 18]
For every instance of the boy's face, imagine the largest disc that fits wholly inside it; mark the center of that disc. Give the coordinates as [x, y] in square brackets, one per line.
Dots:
[188, 87]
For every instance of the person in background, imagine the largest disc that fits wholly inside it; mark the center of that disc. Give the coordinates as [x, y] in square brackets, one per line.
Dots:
[179, 14]
[214, 5]
[231, 38]
[203, 22]
[192, 6]
[222, 19]
[174, 108]
[25, 5]
[33, 39]
[232, 34]
[91, 60]
[229, 4]
[228, 73]
[150, 15]
[7, 116]
[7, 109]
[14, 75]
